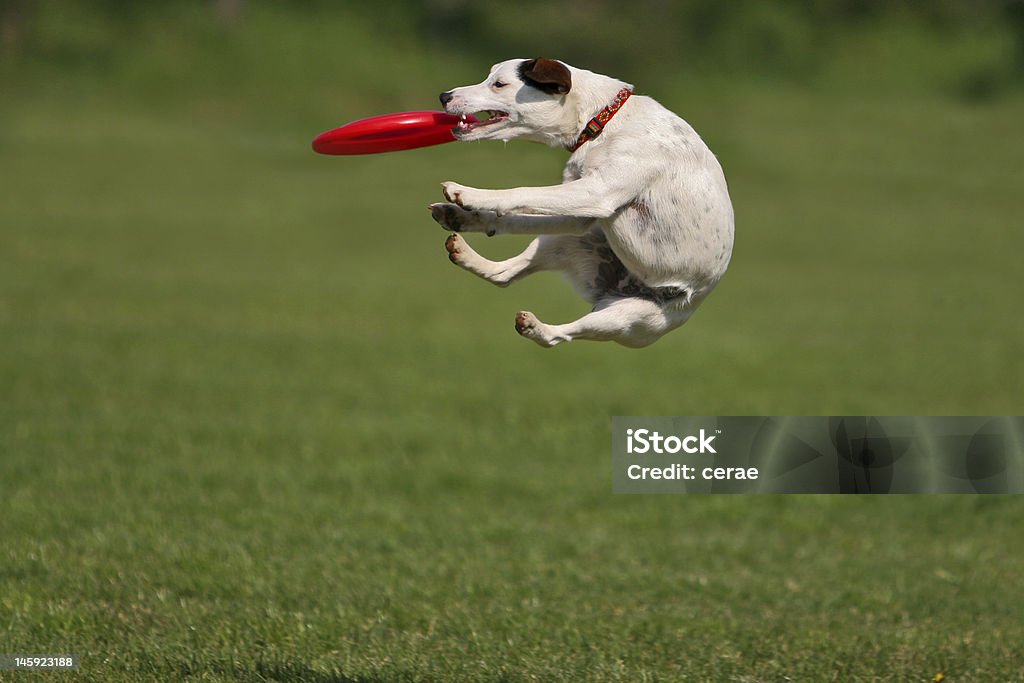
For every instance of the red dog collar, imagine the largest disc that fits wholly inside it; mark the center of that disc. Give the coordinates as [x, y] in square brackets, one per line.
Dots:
[596, 125]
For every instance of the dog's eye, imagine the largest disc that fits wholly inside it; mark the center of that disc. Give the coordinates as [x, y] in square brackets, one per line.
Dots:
[499, 84]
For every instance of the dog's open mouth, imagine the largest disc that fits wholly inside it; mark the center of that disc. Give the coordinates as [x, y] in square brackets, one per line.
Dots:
[487, 117]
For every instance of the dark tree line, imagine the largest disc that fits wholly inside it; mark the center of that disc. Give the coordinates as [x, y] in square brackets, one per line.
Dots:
[782, 36]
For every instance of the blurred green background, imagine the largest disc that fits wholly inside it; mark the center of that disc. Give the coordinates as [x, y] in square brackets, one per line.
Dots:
[254, 426]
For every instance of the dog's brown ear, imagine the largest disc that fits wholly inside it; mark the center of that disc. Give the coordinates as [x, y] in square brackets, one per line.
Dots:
[547, 75]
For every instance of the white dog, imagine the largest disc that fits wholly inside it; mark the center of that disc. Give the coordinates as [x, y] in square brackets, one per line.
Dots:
[642, 223]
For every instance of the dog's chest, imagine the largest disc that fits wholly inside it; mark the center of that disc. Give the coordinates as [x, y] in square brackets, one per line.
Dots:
[573, 169]
[583, 161]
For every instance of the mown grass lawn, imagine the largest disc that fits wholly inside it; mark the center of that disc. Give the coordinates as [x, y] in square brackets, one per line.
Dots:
[254, 426]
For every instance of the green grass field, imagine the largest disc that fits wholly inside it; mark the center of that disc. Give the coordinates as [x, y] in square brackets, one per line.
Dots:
[254, 426]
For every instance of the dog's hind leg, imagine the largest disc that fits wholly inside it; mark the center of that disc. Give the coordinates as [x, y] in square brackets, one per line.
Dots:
[543, 253]
[632, 321]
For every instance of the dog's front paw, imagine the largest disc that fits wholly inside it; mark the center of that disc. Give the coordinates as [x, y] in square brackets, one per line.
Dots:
[455, 193]
[457, 219]
[471, 198]
[453, 217]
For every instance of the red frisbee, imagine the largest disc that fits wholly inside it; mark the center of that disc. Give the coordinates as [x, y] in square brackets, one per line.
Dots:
[389, 133]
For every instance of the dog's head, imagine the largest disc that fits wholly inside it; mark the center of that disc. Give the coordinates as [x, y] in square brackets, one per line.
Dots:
[520, 98]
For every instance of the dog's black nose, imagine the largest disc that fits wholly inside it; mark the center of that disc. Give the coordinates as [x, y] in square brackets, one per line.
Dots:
[446, 97]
